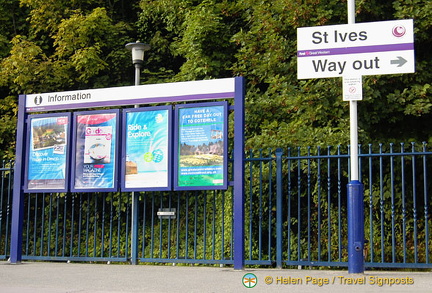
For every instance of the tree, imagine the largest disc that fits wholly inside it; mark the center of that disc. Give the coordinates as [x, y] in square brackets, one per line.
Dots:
[202, 37]
[64, 45]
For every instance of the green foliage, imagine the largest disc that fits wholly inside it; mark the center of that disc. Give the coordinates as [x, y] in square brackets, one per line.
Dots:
[86, 40]
[257, 39]
[63, 45]
[8, 114]
[193, 35]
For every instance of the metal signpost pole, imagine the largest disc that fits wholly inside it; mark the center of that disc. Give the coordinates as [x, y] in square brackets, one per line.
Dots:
[351, 51]
[355, 187]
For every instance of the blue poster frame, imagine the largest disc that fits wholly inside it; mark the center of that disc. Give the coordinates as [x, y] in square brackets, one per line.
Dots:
[125, 131]
[66, 150]
[177, 143]
[76, 153]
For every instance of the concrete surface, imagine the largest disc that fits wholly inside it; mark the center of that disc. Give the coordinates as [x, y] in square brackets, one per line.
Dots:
[53, 277]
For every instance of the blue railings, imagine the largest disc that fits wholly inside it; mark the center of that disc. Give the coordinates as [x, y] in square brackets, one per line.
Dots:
[397, 205]
[199, 232]
[314, 206]
[295, 214]
[6, 184]
[76, 227]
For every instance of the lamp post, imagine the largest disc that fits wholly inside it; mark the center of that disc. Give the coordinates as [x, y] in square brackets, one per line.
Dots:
[137, 50]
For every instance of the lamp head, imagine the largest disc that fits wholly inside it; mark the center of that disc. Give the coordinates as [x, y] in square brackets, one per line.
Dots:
[137, 50]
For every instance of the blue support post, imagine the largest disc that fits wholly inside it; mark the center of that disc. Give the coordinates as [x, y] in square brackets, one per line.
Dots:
[18, 193]
[134, 230]
[355, 227]
[239, 156]
[279, 188]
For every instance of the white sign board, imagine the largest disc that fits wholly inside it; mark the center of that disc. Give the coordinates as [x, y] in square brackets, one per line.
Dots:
[371, 48]
[130, 95]
[352, 88]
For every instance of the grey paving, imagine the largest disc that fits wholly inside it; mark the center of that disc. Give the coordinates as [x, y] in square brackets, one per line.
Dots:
[53, 277]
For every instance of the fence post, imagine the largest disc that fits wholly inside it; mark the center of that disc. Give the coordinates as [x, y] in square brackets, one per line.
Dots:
[279, 209]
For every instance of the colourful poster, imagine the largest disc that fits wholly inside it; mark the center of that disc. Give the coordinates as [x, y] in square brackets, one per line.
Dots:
[95, 150]
[201, 154]
[147, 151]
[47, 156]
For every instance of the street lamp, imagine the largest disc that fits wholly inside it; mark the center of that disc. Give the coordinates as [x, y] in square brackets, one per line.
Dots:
[138, 50]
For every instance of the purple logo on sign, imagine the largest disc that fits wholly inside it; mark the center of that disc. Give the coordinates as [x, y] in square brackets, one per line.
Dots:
[399, 31]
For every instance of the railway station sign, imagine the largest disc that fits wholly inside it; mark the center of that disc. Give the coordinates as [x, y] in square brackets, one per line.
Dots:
[371, 48]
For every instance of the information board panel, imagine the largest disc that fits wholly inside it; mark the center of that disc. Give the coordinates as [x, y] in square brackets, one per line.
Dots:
[47, 153]
[95, 151]
[209, 89]
[201, 146]
[146, 140]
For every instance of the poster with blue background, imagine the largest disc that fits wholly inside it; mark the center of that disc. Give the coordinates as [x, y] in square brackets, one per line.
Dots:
[201, 146]
[146, 164]
[95, 151]
[47, 153]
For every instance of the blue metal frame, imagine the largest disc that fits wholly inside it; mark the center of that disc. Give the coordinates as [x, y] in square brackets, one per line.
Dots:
[123, 144]
[18, 193]
[68, 146]
[228, 90]
[115, 151]
[178, 109]
[239, 174]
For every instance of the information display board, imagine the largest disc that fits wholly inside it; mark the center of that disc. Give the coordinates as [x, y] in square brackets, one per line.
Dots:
[47, 153]
[95, 151]
[93, 168]
[146, 161]
[201, 146]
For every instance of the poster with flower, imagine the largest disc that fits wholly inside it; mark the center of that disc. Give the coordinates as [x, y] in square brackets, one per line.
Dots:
[201, 146]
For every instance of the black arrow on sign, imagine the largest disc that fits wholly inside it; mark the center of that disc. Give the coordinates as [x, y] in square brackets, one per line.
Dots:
[400, 61]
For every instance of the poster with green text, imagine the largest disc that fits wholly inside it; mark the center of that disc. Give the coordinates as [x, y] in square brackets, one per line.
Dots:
[201, 146]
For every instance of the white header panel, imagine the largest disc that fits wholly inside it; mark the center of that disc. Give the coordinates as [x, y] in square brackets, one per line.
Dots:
[130, 95]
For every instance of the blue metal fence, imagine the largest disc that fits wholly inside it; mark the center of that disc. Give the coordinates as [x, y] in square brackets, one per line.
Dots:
[295, 214]
[6, 183]
[76, 227]
[200, 232]
[296, 206]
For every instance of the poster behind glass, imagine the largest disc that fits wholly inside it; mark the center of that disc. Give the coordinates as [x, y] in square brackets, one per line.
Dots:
[47, 153]
[201, 146]
[95, 151]
[146, 163]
